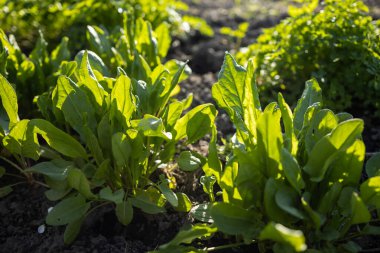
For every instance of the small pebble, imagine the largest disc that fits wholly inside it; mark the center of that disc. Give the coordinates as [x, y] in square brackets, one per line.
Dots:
[41, 229]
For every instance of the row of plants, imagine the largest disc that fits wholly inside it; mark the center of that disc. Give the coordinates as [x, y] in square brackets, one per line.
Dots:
[108, 130]
[57, 19]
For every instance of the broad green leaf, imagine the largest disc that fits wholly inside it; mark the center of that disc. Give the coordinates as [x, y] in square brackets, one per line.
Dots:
[312, 94]
[360, 213]
[61, 53]
[188, 162]
[343, 116]
[68, 68]
[251, 101]
[4, 191]
[105, 134]
[229, 90]
[87, 78]
[173, 113]
[55, 169]
[184, 203]
[170, 196]
[124, 212]
[272, 210]
[189, 235]
[372, 167]
[75, 105]
[208, 186]
[292, 170]
[56, 194]
[151, 126]
[107, 194]
[72, 230]
[67, 211]
[163, 39]
[325, 151]
[123, 102]
[121, 149]
[281, 234]
[149, 201]
[98, 40]
[22, 141]
[291, 141]
[77, 180]
[269, 140]
[196, 123]
[323, 122]
[234, 220]
[58, 140]
[331, 196]
[370, 191]
[9, 100]
[347, 169]
[202, 212]
[93, 145]
[288, 200]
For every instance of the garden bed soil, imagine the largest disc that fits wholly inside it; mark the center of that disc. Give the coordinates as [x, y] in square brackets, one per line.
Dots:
[23, 211]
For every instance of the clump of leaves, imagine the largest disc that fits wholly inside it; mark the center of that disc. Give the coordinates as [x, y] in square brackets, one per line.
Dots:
[33, 74]
[336, 42]
[129, 127]
[292, 181]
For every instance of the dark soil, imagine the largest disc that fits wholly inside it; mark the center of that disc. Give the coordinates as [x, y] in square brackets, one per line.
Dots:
[24, 210]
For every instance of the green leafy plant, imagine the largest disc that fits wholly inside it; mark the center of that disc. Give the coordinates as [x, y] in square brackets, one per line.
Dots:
[33, 74]
[292, 181]
[69, 18]
[19, 145]
[336, 42]
[129, 126]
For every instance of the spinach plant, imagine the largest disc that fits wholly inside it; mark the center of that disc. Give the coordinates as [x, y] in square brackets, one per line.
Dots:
[292, 182]
[33, 74]
[19, 145]
[336, 42]
[129, 126]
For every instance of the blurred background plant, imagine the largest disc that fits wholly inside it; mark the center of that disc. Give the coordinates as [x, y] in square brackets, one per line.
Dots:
[70, 18]
[336, 42]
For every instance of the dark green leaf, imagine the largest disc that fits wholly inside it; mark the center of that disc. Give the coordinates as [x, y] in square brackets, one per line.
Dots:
[67, 211]
[124, 212]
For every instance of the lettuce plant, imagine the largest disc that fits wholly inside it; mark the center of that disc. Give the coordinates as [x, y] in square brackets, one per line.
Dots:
[293, 180]
[336, 42]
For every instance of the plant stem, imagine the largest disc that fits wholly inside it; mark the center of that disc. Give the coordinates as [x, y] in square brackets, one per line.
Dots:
[11, 185]
[13, 175]
[13, 164]
[96, 207]
[225, 246]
